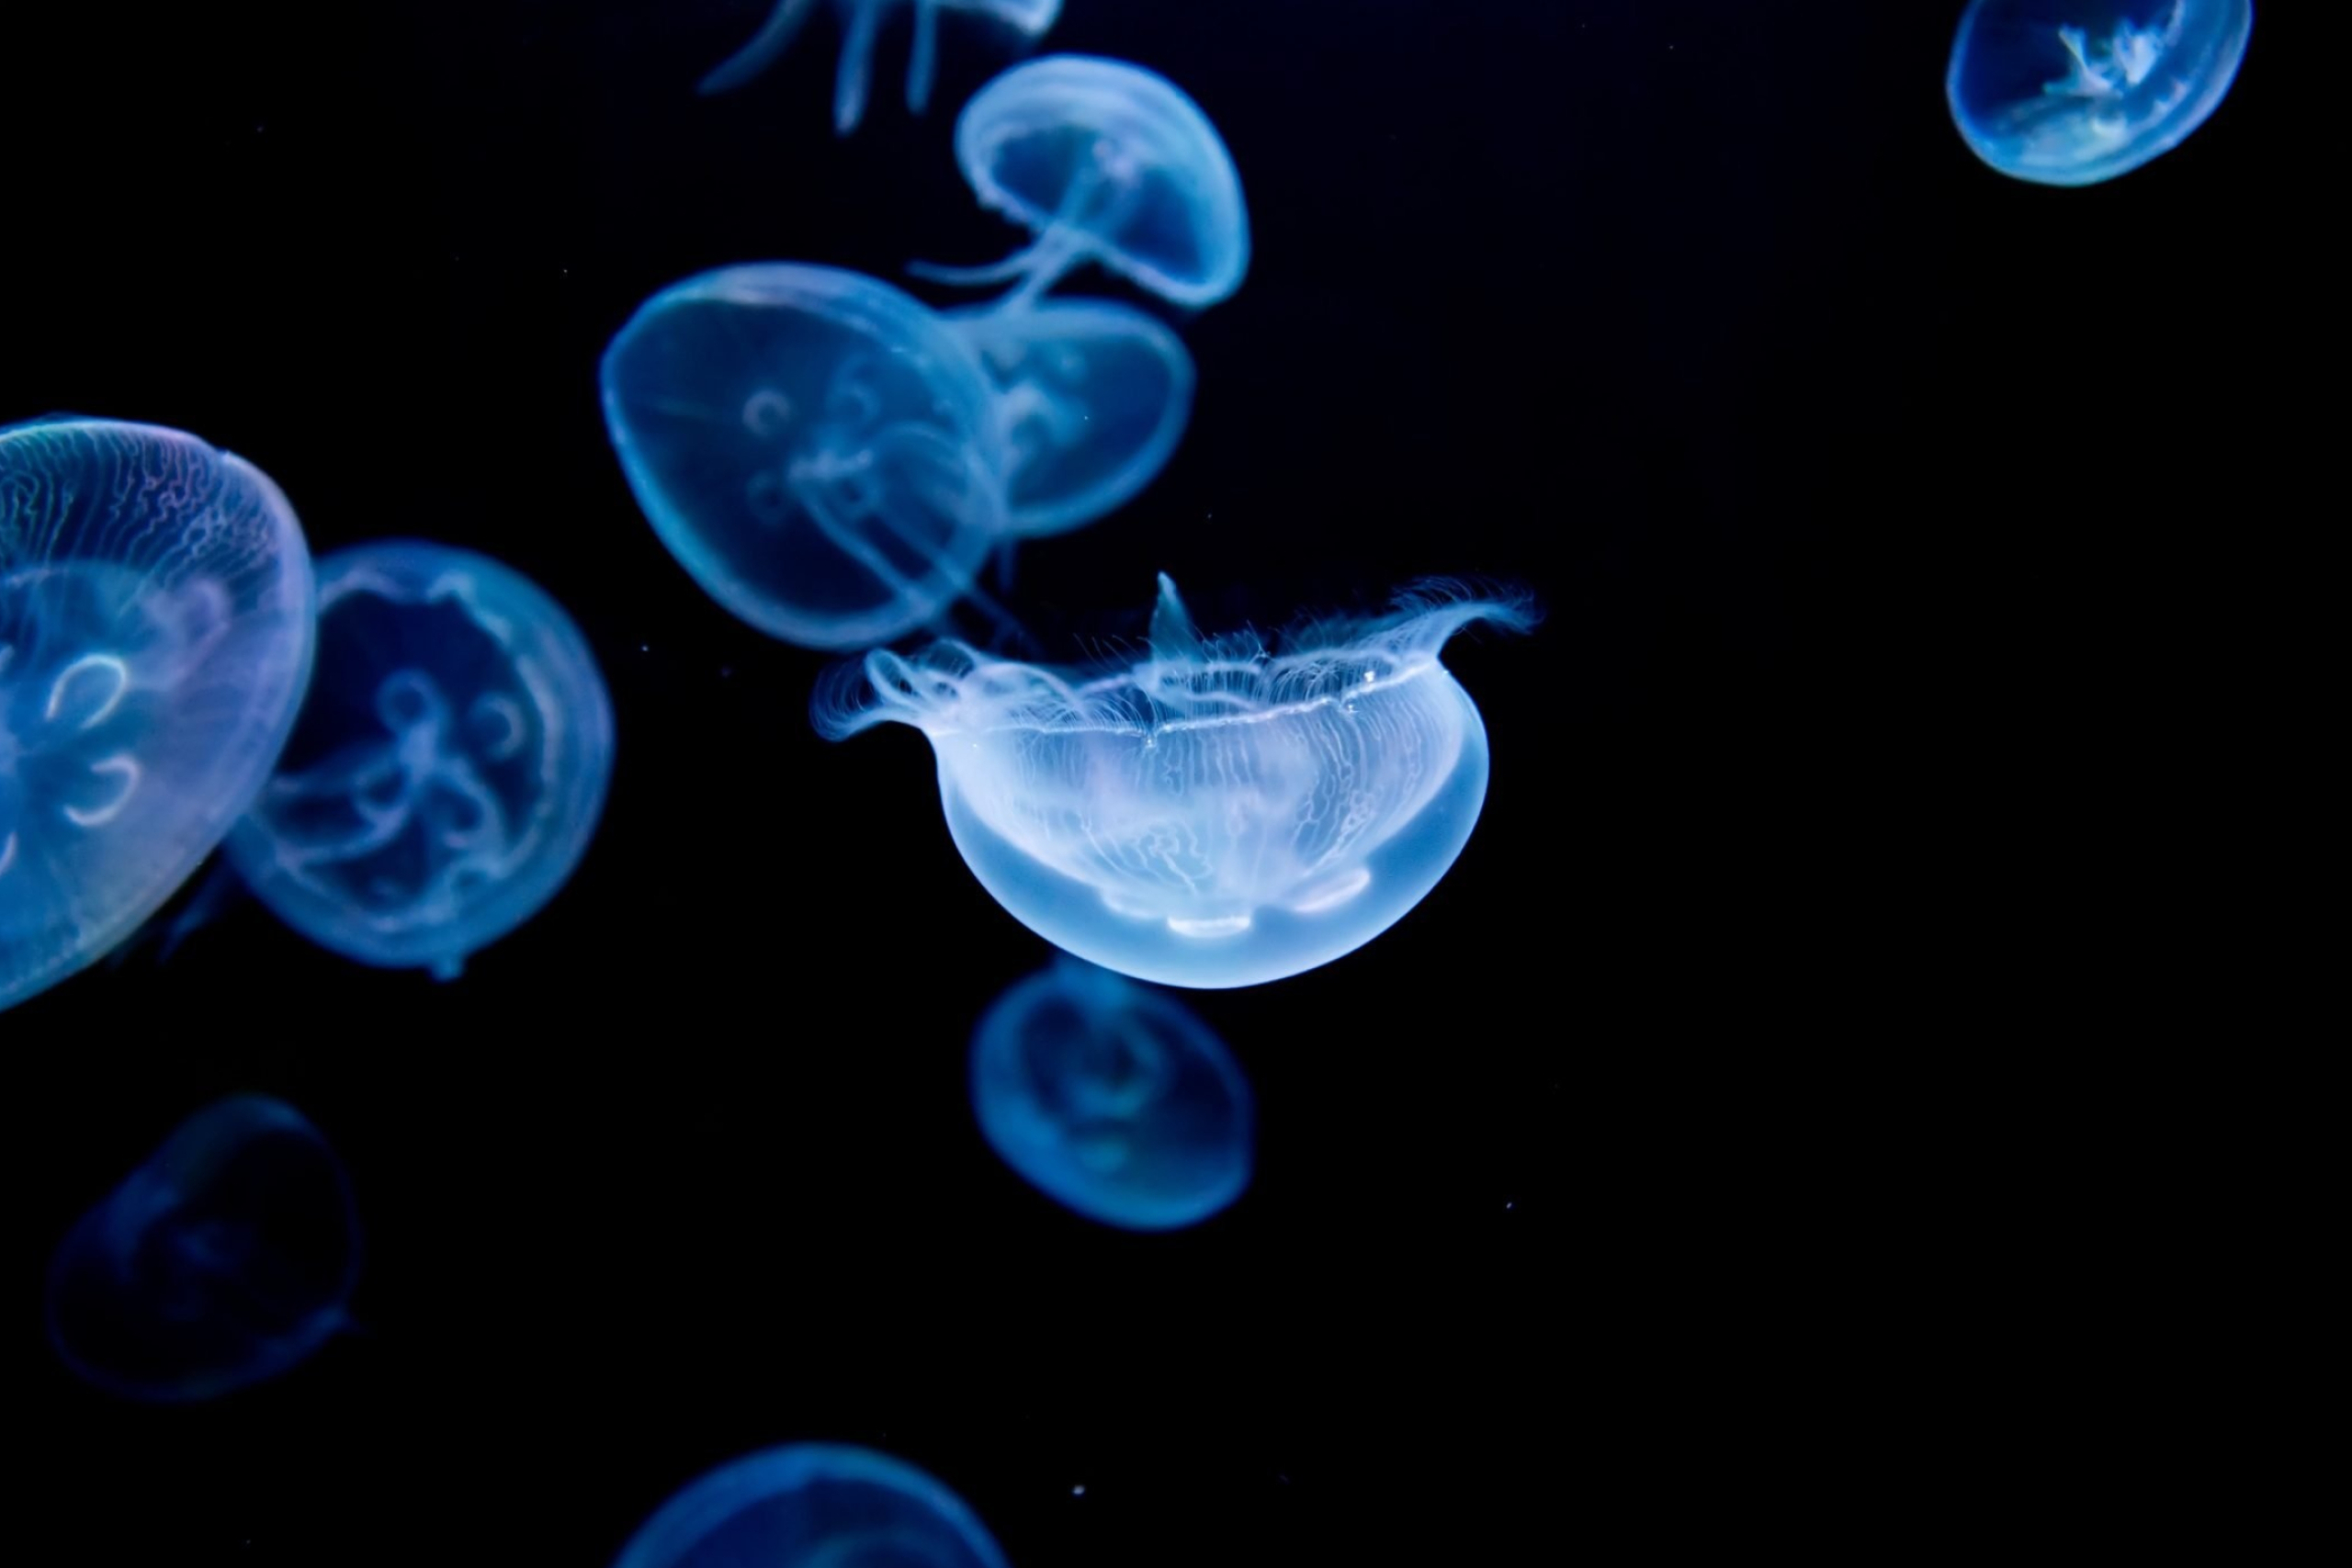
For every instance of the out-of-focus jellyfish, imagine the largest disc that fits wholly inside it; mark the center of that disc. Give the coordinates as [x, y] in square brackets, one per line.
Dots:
[861, 22]
[1093, 398]
[1108, 162]
[225, 1258]
[155, 638]
[1213, 814]
[1113, 1099]
[817, 449]
[449, 766]
[813, 1505]
[2073, 92]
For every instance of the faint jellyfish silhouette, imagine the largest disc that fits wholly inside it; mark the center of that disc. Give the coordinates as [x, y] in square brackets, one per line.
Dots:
[224, 1259]
[2073, 92]
[813, 1505]
[155, 636]
[861, 23]
[449, 766]
[1212, 815]
[1103, 162]
[1113, 1099]
[815, 447]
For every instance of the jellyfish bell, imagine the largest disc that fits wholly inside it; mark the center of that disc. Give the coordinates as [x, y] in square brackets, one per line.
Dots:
[815, 449]
[156, 641]
[1216, 813]
[861, 26]
[1103, 162]
[449, 771]
[813, 1505]
[2075, 92]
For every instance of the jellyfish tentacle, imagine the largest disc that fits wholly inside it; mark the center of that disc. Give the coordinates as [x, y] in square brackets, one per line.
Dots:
[783, 25]
[855, 75]
[923, 66]
[1037, 265]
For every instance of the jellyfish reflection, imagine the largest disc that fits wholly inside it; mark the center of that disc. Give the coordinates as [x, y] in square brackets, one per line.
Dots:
[861, 24]
[813, 1505]
[226, 1258]
[1215, 814]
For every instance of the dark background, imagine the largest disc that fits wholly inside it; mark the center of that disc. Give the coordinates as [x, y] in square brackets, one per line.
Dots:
[1647, 1178]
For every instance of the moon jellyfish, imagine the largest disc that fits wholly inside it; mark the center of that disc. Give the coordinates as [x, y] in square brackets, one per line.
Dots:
[813, 1505]
[1103, 162]
[2073, 92]
[1094, 397]
[1112, 1099]
[861, 24]
[819, 450]
[449, 766]
[1212, 814]
[224, 1259]
[154, 641]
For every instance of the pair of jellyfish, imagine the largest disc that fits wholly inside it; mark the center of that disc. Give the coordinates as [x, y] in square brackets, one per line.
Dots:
[813, 1505]
[834, 461]
[861, 24]
[227, 1257]
[2075, 92]
[1111, 1098]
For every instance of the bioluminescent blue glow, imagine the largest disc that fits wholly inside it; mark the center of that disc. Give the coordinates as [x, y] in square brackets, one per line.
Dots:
[1211, 815]
[1094, 397]
[1113, 1099]
[861, 25]
[813, 1505]
[2073, 92]
[155, 636]
[226, 1258]
[817, 449]
[1108, 162]
[448, 768]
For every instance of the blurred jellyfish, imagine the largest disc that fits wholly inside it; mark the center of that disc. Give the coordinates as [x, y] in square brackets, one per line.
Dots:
[861, 22]
[1113, 1099]
[815, 447]
[449, 766]
[1212, 815]
[2073, 92]
[813, 1505]
[155, 636]
[1108, 162]
[1094, 397]
[225, 1258]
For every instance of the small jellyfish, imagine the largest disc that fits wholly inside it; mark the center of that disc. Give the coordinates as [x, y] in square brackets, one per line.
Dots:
[861, 23]
[813, 1505]
[224, 1259]
[819, 450]
[1113, 1099]
[1094, 397]
[1215, 814]
[2073, 92]
[1103, 162]
[155, 638]
[448, 768]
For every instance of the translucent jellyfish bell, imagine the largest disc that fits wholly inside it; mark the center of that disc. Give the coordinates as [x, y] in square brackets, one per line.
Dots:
[224, 1259]
[1115, 1100]
[1211, 815]
[813, 1505]
[2073, 92]
[1108, 162]
[155, 638]
[1094, 397]
[861, 24]
[817, 448]
[449, 766]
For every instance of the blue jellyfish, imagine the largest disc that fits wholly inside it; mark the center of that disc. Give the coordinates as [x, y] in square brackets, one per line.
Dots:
[1213, 814]
[1108, 162]
[861, 21]
[1093, 398]
[449, 766]
[813, 1505]
[155, 638]
[819, 450]
[1113, 1099]
[225, 1258]
[2073, 92]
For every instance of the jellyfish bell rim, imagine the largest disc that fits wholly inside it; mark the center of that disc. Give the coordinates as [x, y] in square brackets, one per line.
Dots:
[691, 1515]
